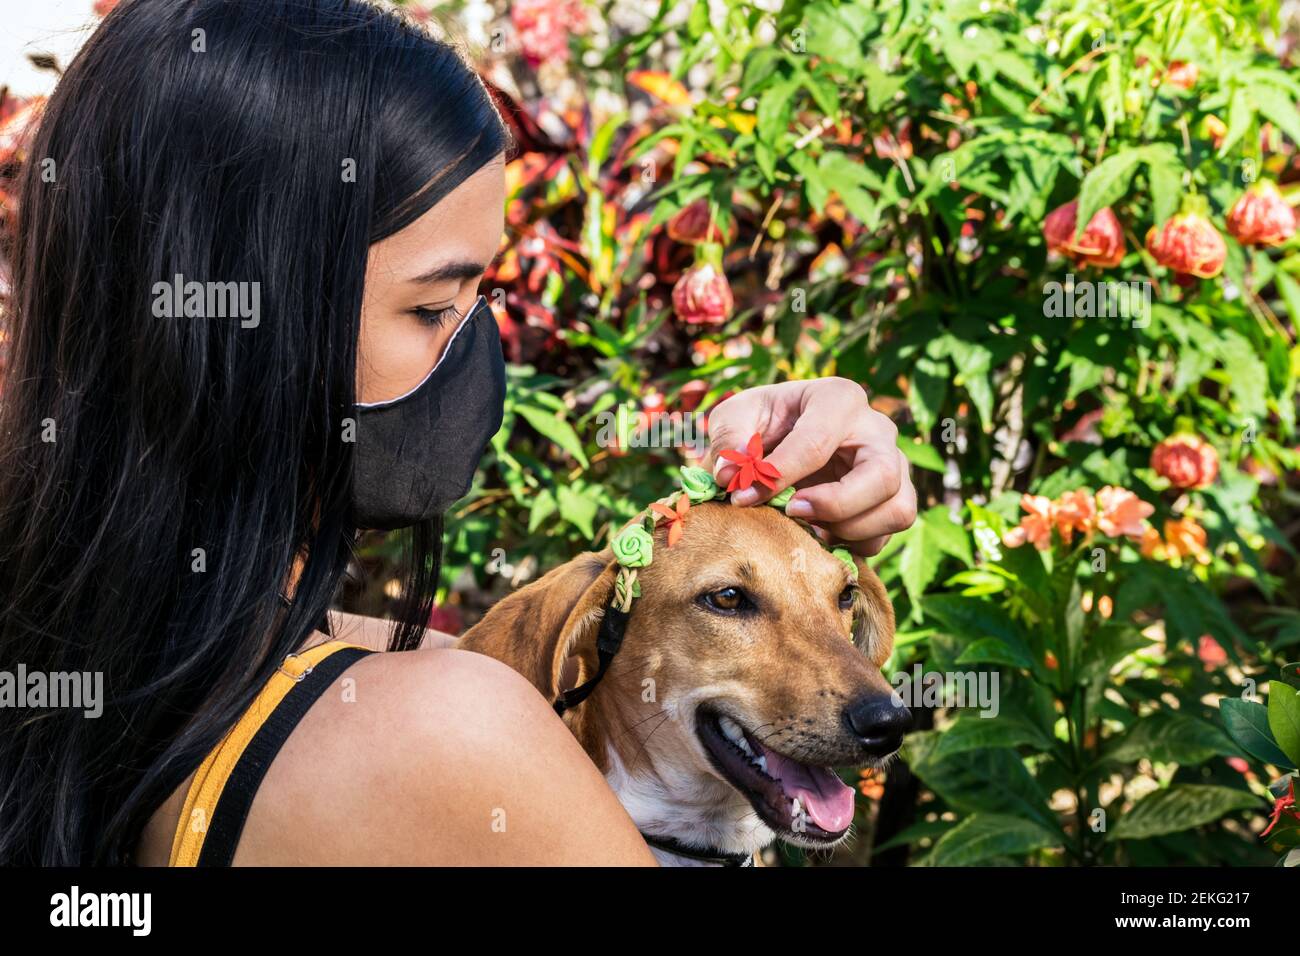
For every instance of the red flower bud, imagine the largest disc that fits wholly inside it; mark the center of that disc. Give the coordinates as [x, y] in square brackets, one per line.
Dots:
[702, 296]
[1261, 217]
[1101, 243]
[1187, 461]
[1189, 243]
[693, 225]
[1182, 74]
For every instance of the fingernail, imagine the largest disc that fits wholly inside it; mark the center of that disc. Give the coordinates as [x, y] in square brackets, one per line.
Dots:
[744, 497]
[799, 508]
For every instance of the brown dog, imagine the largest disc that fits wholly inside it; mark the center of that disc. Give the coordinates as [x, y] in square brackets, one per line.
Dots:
[749, 668]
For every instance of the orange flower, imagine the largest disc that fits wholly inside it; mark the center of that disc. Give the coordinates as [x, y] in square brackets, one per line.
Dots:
[1261, 217]
[1184, 538]
[870, 785]
[752, 466]
[1100, 244]
[1152, 545]
[1050, 660]
[1211, 652]
[1216, 129]
[1187, 461]
[676, 518]
[1188, 243]
[1035, 527]
[1182, 74]
[1074, 511]
[1123, 514]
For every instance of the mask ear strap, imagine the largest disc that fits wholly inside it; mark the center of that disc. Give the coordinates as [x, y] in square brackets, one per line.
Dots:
[608, 641]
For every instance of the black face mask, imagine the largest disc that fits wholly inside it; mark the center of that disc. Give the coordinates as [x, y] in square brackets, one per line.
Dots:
[416, 453]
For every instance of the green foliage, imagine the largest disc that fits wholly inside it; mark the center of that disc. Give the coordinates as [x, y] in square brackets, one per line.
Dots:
[886, 169]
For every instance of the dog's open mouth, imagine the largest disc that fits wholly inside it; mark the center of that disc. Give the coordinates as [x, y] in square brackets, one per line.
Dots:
[795, 799]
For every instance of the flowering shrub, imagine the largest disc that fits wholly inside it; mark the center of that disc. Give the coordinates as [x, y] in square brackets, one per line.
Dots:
[943, 202]
[1056, 242]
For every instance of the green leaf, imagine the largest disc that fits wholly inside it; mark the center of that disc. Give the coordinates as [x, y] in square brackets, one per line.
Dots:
[556, 429]
[921, 455]
[1165, 176]
[934, 535]
[1178, 808]
[993, 780]
[970, 732]
[579, 511]
[991, 650]
[542, 508]
[1280, 107]
[1170, 738]
[1247, 723]
[1106, 183]
[984, 836]
[1284, 718]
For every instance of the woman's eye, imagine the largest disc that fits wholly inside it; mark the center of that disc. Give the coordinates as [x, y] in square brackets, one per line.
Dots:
[847, 596]
[437, 316]
[726, 599]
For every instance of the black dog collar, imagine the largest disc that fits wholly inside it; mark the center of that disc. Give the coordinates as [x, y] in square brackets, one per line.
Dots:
[706, 854]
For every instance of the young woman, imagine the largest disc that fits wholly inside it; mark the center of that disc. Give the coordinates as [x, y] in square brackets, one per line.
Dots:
[182, 474]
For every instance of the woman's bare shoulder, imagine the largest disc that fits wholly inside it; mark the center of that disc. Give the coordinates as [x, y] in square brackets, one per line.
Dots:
[435, 757]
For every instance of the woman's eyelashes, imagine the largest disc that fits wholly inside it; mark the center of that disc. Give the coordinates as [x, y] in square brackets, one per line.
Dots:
[438, 316]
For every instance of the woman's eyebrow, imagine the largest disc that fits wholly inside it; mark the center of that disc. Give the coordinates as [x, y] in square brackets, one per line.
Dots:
[463, 269]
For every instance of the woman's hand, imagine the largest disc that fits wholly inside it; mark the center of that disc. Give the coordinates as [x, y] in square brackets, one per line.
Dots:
[828, 442]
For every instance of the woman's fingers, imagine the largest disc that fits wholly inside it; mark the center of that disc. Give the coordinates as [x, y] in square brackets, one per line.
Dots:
[812, 425]
[867, 531]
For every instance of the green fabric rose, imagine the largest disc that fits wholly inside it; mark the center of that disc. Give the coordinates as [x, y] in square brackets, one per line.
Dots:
[698, 485]
[634, 547]
[847, 558]
[782, 499]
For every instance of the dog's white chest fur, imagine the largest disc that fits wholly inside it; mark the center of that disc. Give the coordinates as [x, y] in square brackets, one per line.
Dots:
[694, 810]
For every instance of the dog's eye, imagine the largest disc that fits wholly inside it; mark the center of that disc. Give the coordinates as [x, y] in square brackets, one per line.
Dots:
[847, 596]
[726, 600]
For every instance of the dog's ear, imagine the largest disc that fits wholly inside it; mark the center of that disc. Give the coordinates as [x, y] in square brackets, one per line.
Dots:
[873, 615]
[536, 629]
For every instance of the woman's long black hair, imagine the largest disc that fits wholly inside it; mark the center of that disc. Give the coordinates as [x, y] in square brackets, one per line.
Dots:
[160, 476]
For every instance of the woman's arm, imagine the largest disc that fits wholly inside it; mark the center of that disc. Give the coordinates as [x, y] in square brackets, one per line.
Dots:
[435, 757]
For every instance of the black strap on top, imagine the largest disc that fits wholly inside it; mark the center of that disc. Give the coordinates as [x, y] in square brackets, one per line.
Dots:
[608, 641]
[709, 855]
[231, 811]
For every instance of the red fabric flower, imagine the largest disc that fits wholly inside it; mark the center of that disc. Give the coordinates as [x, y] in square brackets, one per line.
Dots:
[676, 518]
[1285, 804]
[752, 466]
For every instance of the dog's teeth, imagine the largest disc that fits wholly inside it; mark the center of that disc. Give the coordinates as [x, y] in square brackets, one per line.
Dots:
[732, 730]
[762, 763]
[796, 809]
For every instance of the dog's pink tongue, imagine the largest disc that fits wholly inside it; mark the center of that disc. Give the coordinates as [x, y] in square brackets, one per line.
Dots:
[826, 798]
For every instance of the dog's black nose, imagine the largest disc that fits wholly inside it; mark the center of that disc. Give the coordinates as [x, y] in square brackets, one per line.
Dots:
[879, 722]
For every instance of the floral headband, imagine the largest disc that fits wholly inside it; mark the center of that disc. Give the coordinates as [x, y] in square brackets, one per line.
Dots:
[633, 547]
